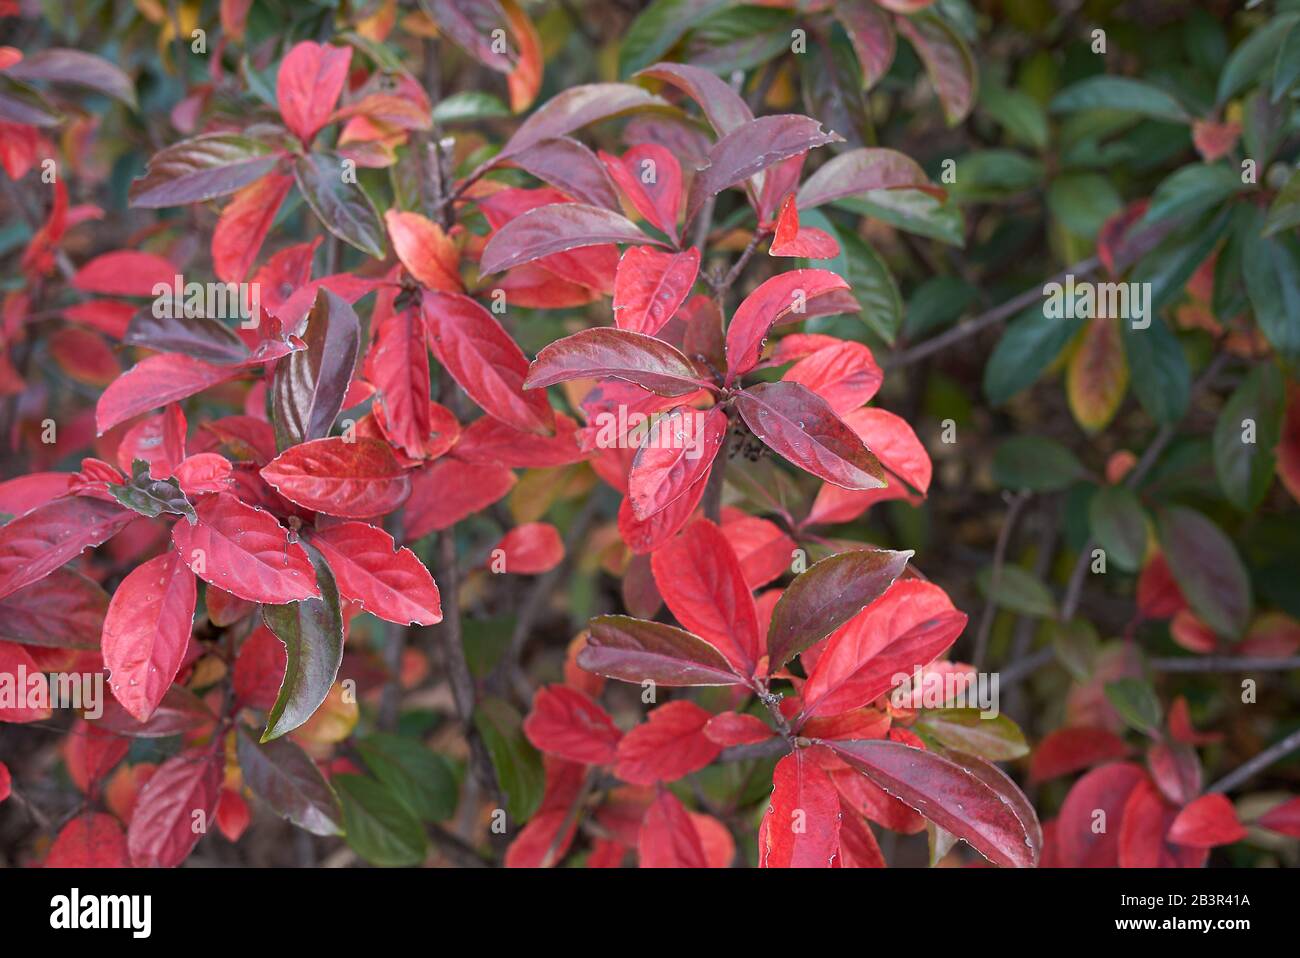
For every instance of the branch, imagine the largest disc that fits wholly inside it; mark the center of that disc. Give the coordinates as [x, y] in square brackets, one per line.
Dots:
[1260, 762]
[990, 318]
[1014, 505]
[1224, 663]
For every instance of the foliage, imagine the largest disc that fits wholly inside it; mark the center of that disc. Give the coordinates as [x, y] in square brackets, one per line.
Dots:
[380, 379]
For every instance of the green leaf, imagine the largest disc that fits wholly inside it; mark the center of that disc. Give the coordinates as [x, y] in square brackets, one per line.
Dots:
[1191, 191]
[1171, 264]
[281, 774]
[1018, 590]
[870, 279]
[518, 765]
[988, 175]
[1017, 112]
[1083, 202]
[1120, 526]
[344, 209]
[379, 828]
[657, 28]
[936, 304]
[1035, 463]
[997, 738]
[1286, 68]
[152, 497]
[1253, 56]
[421, 779]
[469, 105]
[1135, 701]
[1028, 346]
[1158, 370]
[913, 211]
[1122, 94]
[312, 633]
[1207, 568]
[1076, 645]
[1284, 214]
[1271, 268]
[1245, 469]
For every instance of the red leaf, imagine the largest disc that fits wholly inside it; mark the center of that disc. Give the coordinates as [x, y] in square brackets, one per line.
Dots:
[792, 240]
[651, 178]
[858, 848]
[764, 551]
[752, 148]
[675, 454]
[723, 107]
[1068, 750]
[243, 226]
[617, 353]
[669, 837]
[386, 581]
[90, 752]
[154, 382]
[650, 286]
[1284, 818]
[645, 536]
[147, 631]
[947, 60]
[1143, 841]
[988, 815]
[635, 650]
[22, 494]
[860, 171]
[16, 667]
[485, 362]
[670, 745]
[799, 425]
[162, 832]
[64, 609]
[566, 723]
[700, 579]
[398, 366]
[554, 229]
[244, 551]
[844, 374]
[1208, 821]
[38, 542]
[260, 668]
[447, 490]
[125, 273]
[529, 549]
[1088, 826]
[872, 37]
[801, 828]
[545, 840]
[206, 472]
[6, 782]
[357, 480]
[93, 840]
[1214, 140]
[737, 728]
[826, 596]
[575, 108]
[775, 300]
[907, 628]
[425, 250]
[310, 80]
[488, 441]
[1158, 595]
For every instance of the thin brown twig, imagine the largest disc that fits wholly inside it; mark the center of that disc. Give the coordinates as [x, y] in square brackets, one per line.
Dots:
[1263, 760]
[990, 318]
[1015, 504]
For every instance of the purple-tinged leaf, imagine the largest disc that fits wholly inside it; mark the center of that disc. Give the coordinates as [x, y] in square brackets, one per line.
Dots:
[618, 353]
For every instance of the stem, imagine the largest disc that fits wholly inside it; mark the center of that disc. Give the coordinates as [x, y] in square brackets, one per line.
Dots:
[1260, 762]
[1014, 505]
[986, 319]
